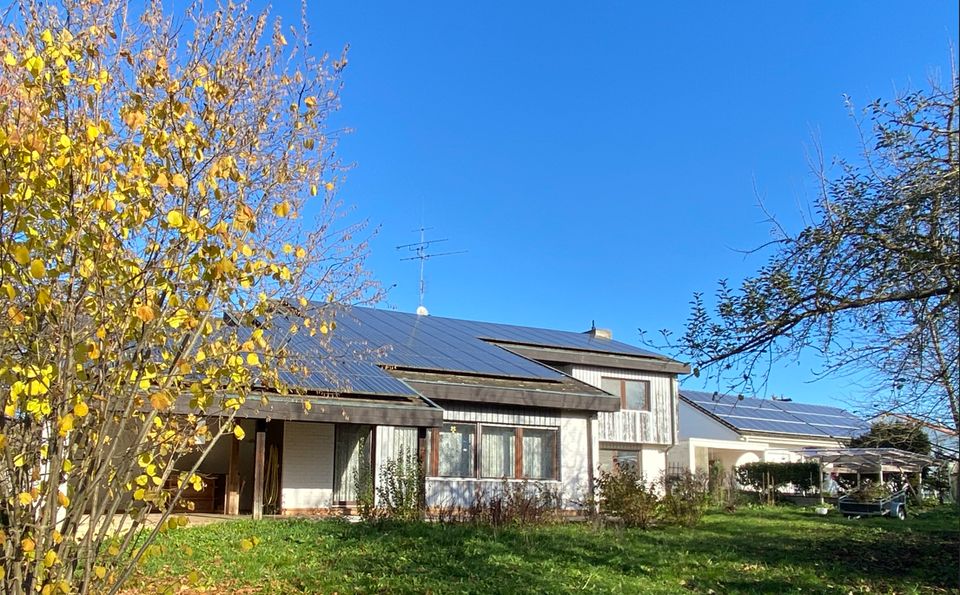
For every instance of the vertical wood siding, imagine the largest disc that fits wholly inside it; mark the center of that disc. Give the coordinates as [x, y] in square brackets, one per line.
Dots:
[515, 416]
[657, 426]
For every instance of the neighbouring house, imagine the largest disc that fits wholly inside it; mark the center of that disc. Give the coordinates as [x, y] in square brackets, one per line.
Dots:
[477, 403]
[734, 430]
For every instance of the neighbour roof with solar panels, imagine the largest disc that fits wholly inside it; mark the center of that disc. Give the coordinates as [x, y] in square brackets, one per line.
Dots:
[776, 416]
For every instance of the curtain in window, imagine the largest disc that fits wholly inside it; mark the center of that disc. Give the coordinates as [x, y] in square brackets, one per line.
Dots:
[497, 451]
[457, 444]
[539, 453]
[351, 449]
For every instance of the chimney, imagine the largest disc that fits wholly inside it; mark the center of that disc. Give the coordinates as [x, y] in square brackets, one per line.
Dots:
[598, 333]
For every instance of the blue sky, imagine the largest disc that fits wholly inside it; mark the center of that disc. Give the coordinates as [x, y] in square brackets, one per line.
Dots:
[602, 161]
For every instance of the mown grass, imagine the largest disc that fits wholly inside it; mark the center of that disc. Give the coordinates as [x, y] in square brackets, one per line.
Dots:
[771, 550]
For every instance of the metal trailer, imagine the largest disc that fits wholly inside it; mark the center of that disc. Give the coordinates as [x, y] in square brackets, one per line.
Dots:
[893, 506]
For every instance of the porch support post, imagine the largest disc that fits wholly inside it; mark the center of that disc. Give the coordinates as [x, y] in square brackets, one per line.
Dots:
[231, 505]
[258, 470]
[820, 472]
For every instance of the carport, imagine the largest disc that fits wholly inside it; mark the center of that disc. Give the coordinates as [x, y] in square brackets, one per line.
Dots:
[869, 461]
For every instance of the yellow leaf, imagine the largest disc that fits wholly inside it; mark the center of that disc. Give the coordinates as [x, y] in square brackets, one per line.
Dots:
[287, 249]
[37, 270]
[238, 432]
[63, 499]
[9, 59]
[160, 400]
[87, 267]
[163, 183]
[313, 189]
[27, 544]
[81, 409]
[34, 65]
[145, 313]
[21, 254]
[67, 466]
[25, 498]
[92, 132]
[202, 304]
[66, 424]
[100, 571]
[46, 36]
[281, 209]
[179, 181]
[175, 219]
[301, 252]
[65, 141]
[253, 359]
[329, 186]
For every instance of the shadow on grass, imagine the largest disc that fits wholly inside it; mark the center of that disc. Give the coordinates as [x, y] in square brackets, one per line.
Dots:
[758, 551]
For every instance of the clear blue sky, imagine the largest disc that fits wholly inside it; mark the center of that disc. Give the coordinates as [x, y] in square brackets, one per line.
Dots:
[598, 161]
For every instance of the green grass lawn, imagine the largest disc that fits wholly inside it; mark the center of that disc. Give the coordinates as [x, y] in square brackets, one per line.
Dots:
[771, 550]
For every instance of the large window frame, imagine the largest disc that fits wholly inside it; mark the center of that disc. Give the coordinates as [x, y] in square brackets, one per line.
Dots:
[550, 434]
[622, 392]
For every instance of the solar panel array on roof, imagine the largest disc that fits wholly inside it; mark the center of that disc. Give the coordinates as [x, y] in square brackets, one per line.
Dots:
[365, 339]
[782, 417]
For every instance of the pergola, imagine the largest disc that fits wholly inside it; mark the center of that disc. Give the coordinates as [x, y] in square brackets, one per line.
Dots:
[867, 460]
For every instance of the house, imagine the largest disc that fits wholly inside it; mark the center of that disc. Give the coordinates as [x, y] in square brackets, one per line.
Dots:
[477, 403]
[735, 430]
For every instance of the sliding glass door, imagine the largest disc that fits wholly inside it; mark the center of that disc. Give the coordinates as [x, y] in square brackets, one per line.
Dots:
[351, 460]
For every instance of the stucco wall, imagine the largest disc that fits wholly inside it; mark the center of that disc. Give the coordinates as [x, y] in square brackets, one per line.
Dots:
[307, 482]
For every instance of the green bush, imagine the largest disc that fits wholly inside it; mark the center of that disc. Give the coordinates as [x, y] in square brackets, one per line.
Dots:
[626, 496]
[769, 477]
[400, 488]
[685, 498]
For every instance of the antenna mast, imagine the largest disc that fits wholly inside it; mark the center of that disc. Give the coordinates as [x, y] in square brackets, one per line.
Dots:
[422, 253]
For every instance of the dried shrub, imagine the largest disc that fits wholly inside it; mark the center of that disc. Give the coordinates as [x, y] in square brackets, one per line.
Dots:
[625, 496]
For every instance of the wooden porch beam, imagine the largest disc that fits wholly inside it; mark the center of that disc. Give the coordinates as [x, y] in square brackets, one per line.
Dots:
[258, 472]
[231, 505]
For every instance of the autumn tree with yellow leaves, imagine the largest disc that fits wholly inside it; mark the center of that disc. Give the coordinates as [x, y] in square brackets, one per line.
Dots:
[166, 180]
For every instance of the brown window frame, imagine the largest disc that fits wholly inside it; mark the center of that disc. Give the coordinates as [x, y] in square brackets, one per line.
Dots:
[648, 398]
[433, 465]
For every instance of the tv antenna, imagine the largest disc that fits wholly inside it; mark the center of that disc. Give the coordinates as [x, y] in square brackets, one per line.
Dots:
[422, 253]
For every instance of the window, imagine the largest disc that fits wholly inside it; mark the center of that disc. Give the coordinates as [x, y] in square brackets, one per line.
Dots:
[498, 451]
[511, 452]
[613, 461]
[539, 453]
[455, 453]
[634, 394]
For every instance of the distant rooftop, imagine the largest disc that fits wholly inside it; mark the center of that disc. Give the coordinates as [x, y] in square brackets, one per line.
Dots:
[775, 416]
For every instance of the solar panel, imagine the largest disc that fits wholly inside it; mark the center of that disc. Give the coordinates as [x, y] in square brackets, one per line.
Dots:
[785, 417]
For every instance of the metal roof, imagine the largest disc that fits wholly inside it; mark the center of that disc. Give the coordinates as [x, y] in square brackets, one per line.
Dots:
[777, 417]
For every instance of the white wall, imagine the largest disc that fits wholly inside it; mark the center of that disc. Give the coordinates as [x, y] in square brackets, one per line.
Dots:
[307, 482]
[697, 424]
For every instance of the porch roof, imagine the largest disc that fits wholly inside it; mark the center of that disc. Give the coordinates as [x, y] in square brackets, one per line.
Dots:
[869, 459]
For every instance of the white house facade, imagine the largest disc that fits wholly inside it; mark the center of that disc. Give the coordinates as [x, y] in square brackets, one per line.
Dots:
[476, 404]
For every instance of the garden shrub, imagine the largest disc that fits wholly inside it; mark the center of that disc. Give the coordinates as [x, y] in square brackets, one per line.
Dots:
[770, 477]
[685, 498]
[625, 495]
[400, 488]
[509, 503]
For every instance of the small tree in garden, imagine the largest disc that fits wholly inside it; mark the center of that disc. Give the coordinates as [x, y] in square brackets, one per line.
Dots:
[156, 172]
